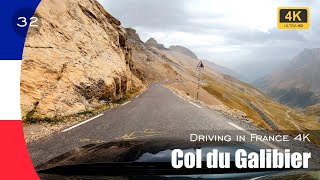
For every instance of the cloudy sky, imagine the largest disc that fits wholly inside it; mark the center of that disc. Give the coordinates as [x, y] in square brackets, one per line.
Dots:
[239, 34]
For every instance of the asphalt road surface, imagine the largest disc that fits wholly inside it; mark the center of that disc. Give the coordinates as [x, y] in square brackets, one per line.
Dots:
[156, 112]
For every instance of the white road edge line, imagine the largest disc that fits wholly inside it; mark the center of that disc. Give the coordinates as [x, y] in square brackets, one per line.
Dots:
[125, 103]
[240, 128]
[264, 142]
[179, 96]
[195, 104]
[258, 177]
[81, 123]
[137, 96]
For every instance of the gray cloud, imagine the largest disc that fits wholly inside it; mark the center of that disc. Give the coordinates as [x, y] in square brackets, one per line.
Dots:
[146, 13]
[212, 31]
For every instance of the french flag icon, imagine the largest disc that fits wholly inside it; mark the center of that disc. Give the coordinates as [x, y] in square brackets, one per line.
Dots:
[15, 162]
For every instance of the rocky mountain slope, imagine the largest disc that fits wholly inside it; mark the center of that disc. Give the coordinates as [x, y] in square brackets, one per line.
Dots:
[221, 92]
[313, 110]
[82, 57]
[79, 58]
[298, 84]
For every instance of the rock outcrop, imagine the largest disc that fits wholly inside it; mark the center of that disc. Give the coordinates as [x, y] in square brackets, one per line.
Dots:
[151, 63]
[153, 42]
[79, 57]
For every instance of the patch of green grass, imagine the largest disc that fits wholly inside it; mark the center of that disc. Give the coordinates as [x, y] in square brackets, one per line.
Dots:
[31, 118]
[130, 93]
[85, 113]
[121, 100]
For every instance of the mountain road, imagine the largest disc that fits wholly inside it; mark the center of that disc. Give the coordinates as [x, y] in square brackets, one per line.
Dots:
[156, 112]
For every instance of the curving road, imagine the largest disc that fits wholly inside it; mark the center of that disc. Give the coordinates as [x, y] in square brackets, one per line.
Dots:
[156, 112]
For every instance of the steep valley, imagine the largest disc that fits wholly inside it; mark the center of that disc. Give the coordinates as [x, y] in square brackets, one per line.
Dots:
[298, 84]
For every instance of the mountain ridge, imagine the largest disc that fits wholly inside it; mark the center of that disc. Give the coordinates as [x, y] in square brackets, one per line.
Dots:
[297, 84]
[183, 50]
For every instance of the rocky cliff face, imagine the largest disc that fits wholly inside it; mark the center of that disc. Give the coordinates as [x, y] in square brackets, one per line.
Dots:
[151, 63]
[78, 58]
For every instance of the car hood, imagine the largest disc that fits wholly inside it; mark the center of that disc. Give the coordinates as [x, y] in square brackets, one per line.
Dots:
[149, 150]
[150, 158]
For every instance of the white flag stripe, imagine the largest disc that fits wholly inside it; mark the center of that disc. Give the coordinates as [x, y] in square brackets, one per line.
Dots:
[10, 89]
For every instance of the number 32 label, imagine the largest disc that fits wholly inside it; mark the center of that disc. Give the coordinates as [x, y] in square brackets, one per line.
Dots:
[26, 22]
[22, 22]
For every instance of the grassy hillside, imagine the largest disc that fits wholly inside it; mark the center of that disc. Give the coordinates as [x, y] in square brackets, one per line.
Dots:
[237, 96]
[265, 112]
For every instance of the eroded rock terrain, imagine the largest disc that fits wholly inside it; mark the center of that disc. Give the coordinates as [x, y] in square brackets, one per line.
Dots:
[79, 57]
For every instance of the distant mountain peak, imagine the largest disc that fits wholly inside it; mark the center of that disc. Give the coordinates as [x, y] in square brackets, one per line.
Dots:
[184, 51]
[132, 33]
[153, 42]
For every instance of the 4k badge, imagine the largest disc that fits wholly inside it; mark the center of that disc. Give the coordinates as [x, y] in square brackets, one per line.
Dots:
[293, 18]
